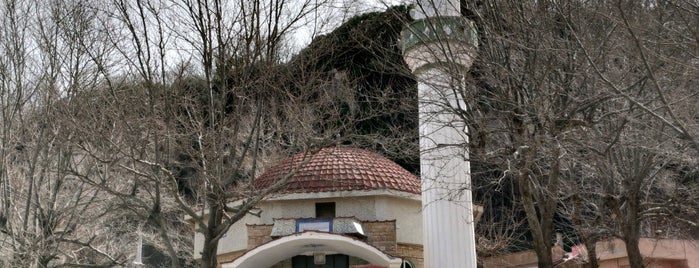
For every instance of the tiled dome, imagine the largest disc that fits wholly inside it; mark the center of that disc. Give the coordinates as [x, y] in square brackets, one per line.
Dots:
[336, 169]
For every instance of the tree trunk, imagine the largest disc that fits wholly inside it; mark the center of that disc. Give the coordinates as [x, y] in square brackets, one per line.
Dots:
[209, 251]
[591, 245]
[208, 254]
[635, 257]
[540, 222]
[631, 233]
[542, 245]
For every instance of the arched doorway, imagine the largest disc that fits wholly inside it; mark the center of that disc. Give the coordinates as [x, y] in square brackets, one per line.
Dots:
[311, 242]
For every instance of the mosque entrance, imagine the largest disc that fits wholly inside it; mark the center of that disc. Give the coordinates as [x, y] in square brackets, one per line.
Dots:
[291, 251]
[331, 261]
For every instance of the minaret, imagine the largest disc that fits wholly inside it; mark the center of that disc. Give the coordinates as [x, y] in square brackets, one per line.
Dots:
[439, 47]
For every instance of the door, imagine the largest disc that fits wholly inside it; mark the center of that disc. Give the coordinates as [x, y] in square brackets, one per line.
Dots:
[331, 261]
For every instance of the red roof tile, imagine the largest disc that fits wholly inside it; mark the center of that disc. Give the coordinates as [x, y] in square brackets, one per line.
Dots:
[341, 169]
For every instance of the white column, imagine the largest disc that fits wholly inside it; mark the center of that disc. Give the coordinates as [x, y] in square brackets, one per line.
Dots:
[448, 232]
[439, 47]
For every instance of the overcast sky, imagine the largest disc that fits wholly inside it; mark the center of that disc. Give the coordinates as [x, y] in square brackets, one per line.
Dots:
[333, 16]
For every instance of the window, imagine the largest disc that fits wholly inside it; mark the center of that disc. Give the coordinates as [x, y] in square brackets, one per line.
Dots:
[325, 210]
[406, 264]
[322, 224]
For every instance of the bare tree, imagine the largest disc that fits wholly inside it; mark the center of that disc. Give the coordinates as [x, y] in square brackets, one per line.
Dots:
[49, 217]
[191, 138]
[99, 122]
[645, 134]
[548, 73]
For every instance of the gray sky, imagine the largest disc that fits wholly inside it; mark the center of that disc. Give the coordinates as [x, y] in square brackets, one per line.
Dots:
[333, 16]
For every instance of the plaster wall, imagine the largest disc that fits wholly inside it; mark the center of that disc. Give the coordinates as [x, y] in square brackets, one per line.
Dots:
[362, 207]
[691, 248]
[671, 249]
[406, 212]
[236, 239]
[658, 252]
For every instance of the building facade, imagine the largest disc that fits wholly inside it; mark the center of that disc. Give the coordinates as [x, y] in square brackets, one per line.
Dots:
[345, 207]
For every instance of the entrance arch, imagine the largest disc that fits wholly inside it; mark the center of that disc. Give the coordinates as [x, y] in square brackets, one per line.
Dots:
[286, 247]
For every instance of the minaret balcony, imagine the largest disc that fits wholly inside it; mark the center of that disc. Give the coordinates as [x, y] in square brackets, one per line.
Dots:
[449, 41]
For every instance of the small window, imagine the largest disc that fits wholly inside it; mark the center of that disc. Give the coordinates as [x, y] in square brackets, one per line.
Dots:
[321, 224]
[407, 264]
[325, 210]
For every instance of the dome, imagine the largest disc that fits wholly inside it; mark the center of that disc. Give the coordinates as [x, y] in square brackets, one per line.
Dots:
[335, 169]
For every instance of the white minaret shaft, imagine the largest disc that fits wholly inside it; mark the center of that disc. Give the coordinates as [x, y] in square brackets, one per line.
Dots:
[446, 196]
[439, 47]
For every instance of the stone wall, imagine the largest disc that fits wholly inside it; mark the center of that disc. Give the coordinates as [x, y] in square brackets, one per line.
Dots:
[381, 234]
[228, 257]
[258, 234]
[411, 252]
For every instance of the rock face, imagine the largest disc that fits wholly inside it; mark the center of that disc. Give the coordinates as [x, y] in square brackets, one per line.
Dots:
[355, 81]
[376, 90]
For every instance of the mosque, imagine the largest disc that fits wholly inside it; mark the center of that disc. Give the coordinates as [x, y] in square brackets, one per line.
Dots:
[349, 207]
[345, 207]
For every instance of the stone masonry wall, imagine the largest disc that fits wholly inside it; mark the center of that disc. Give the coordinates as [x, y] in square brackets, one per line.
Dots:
[381, 234]
[229, 257]
[412, 253]
[258, 234]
